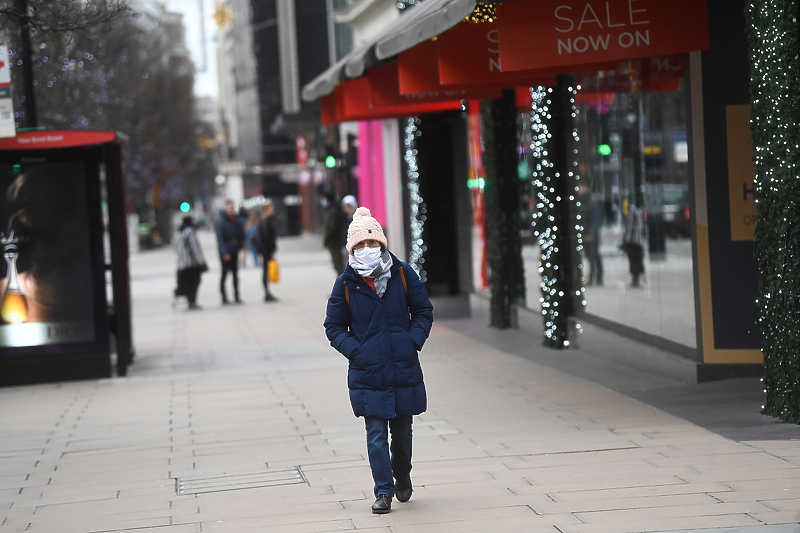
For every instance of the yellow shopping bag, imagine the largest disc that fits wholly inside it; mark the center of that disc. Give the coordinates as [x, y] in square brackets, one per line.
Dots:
[273, 271]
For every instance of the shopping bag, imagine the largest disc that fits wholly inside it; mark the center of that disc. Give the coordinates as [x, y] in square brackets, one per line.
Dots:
[273, 271]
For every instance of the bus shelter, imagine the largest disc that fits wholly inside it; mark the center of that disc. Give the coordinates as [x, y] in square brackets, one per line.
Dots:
[65, 307]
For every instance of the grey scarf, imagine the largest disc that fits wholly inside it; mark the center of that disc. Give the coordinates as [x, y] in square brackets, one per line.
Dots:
[379, 270]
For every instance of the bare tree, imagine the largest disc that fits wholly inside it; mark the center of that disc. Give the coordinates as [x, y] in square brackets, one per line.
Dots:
[127, 78]
[44, 17]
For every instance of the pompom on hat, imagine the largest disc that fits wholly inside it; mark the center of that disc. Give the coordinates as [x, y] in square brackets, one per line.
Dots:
[362, 228]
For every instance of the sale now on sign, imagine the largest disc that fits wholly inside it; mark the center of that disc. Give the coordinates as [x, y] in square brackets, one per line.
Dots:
[468, 53]
[552, 33]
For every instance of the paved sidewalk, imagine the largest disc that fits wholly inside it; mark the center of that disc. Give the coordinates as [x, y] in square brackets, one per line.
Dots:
[252, 398]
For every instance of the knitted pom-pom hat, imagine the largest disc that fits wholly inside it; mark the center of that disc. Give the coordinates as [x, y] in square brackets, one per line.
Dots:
[364, 227]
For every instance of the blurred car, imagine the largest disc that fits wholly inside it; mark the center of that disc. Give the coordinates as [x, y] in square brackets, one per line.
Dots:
[667, 206]
[675, 210]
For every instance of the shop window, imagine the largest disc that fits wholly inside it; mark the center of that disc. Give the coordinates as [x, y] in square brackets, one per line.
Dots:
[636, 261]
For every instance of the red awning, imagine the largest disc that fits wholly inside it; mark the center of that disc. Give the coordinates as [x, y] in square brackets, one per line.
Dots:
[352, 100]
[418, 70]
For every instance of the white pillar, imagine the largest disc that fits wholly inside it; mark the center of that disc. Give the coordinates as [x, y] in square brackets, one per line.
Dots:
[234, 189]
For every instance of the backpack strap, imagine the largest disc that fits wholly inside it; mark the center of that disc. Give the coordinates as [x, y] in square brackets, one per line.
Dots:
[403, 278]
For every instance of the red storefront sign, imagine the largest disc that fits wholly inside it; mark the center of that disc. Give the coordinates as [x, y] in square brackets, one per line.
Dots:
[352, 100]
[552, 33]
[469, 53]
[418, 69]
[653, 74]
[384, 84]
[418, 72]
[34, 140]
[667, 67]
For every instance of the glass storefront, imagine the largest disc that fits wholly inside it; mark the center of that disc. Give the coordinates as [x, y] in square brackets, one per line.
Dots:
[634, 199]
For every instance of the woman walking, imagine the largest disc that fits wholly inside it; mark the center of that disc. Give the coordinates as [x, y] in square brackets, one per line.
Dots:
[379, 317]
[191, 263]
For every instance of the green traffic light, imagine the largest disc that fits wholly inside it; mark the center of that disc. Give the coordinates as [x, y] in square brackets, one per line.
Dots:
[604, 149]
[330, 161]
[185, 207]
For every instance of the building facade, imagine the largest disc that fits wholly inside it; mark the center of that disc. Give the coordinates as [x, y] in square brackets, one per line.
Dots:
[650, 153]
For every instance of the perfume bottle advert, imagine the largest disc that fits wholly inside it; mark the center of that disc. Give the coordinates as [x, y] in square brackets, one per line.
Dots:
[46, 275]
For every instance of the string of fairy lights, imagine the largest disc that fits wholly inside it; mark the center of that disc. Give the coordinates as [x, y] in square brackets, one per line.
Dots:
[482, 13]
[550, 219]
[774, 42]
[417, 205]
[405, 4]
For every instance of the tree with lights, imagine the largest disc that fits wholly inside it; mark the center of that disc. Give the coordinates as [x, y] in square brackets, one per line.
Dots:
[774, 42]
[502, 192]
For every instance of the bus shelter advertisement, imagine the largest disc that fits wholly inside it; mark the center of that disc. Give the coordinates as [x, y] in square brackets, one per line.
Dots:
[46, 275]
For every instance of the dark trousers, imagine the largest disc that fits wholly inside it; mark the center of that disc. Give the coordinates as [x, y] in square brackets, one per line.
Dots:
[635, 260]
[592, 251]
[232, 266]
[188, 283]
[388, 462]
[337, 257]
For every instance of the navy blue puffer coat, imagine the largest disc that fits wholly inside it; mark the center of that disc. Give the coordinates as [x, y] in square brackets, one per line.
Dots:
[230, 234]
[381, 341]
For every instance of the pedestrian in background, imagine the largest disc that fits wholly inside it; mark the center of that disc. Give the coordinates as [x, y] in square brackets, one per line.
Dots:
[191, 263]
[633, 241]
[592, 218]
[251, 227]
[349, 204]
[230, 239]
[379, 317]
[267, 244]
[335, 224]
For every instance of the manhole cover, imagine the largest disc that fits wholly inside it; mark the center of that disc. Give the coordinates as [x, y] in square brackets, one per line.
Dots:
[252, 480]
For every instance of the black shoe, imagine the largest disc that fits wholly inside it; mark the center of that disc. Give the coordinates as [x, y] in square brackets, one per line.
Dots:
[270, 298]
[382, 505]
[239, 301]
[225, 302]
[403, 490]
[194, 307]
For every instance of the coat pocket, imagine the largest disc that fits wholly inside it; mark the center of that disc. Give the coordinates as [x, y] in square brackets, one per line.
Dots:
[403, 346]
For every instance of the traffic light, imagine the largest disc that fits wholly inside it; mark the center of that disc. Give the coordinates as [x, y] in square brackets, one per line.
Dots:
[185, 207]
[604, 149]
[331, 161]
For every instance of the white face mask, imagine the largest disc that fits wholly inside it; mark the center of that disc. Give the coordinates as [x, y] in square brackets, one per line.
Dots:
[368, 255]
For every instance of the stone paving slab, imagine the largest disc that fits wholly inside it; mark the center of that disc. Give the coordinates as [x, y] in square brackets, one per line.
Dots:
[508, 444]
